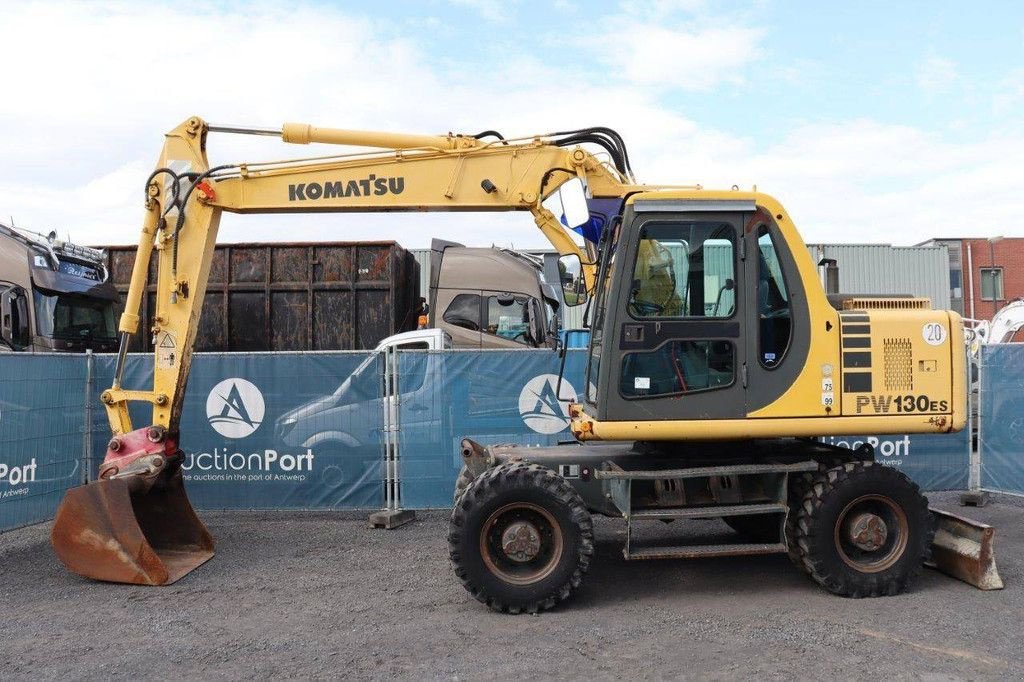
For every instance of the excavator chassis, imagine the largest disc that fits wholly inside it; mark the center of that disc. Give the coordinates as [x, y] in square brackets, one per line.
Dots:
[750, 485]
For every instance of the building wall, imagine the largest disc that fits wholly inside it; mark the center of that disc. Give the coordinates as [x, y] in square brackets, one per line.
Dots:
[1008, 254]
[884, 269]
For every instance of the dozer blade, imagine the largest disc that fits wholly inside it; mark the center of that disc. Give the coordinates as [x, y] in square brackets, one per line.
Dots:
[129, 530]
[963, 548]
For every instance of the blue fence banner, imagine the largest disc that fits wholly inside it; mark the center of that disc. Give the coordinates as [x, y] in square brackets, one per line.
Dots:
[489, 396]
[304, 430]
[933, 461]
[272, 430]
[1001, 418]
[42, 432]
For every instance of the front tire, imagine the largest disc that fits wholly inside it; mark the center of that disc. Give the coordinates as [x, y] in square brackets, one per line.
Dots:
[863, 530]
[520, 538]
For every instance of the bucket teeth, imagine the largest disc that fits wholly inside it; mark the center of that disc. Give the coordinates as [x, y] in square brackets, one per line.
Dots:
[964, 549]
[126, 530]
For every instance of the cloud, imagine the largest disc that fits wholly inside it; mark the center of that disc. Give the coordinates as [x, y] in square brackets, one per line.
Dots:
[677, 56]
[99, 83]
[936, 75]
[489, 10]
[1009, 97]
[865, 181]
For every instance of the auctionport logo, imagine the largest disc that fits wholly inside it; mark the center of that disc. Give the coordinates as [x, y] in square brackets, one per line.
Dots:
[235, 408]
[541, 408]
[14, 478]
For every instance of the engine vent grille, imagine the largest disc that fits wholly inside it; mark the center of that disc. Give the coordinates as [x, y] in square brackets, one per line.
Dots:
[921, 303]
[899, 364]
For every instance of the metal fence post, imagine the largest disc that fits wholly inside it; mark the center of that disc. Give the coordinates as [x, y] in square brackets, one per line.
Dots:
[975, 496]
[392, 516]
[87, 431]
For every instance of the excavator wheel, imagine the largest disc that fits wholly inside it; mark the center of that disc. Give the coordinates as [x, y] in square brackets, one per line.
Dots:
[863, 530]
[520, 538]
[461, 483]
[799, 484]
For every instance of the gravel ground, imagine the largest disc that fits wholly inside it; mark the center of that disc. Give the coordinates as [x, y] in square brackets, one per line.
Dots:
[320, 595]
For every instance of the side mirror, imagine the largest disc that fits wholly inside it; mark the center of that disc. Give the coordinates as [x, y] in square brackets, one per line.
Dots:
[570, 275]
[505, 299]
[14, 328]
[573, 195]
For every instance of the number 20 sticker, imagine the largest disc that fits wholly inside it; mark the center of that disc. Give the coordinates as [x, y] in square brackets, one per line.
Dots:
[934, 334]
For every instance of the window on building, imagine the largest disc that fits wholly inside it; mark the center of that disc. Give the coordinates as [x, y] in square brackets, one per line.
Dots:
[991, 284]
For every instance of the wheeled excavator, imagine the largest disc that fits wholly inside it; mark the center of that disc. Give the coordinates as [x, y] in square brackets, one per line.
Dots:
[715, 360]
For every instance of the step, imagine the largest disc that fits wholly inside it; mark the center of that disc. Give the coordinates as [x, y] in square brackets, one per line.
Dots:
[698, 472]
[702, 551]
[709, 512]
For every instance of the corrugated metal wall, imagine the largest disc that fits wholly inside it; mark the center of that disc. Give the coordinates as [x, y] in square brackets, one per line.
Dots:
[887, 269]
[422, 257]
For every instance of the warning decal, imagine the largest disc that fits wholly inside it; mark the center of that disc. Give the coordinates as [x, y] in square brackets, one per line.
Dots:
[166, 350]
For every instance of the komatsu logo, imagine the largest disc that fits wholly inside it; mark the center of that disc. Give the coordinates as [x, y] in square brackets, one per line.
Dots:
[235, 408]
[541, 408]
[341, 189]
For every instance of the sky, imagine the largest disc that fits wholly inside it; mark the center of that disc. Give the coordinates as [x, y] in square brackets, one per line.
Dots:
[871, 121]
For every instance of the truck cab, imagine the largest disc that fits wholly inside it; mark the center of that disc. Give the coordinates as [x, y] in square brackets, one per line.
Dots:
[491, 297]
[54, 296]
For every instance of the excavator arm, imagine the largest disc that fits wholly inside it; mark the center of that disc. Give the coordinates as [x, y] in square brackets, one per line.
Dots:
[185, 197]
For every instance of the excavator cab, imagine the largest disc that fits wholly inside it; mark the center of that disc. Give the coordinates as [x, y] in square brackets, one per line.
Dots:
[714, 311]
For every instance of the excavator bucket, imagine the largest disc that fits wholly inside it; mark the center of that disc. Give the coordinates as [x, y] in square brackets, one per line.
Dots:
[963, 548]
[131, 530]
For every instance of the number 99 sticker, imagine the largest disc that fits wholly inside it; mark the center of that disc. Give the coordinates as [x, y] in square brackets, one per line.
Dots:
[934, 334]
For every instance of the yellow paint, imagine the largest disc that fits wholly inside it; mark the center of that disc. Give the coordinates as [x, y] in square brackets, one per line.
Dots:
[586, 428]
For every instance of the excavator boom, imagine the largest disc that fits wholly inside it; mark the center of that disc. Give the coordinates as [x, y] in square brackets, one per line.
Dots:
[135, 524]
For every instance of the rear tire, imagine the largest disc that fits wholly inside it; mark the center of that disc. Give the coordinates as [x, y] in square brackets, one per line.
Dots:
[520, 538]
[799, 484]
[863, 530]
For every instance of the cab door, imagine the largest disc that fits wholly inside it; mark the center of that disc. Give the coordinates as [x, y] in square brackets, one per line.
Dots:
[676, 327]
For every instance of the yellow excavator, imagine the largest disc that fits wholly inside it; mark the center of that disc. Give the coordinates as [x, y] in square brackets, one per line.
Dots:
[715, 361]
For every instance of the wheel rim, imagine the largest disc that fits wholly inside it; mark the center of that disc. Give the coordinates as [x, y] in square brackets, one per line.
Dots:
[871, 533]
[521, 543]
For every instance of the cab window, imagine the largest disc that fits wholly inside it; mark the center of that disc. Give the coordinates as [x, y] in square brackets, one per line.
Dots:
[508, 318]
[773, 308]
[464, 311]
[684, 269]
